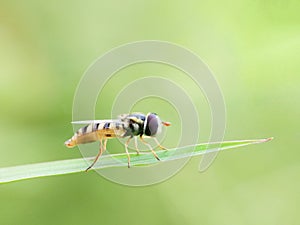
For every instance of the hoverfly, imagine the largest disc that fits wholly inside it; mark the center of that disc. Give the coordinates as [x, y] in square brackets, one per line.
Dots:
[127, 125]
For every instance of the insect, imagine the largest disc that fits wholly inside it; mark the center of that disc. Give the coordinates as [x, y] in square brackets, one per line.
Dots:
[127, 125]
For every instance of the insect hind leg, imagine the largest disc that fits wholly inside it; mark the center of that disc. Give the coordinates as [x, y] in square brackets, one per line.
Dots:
[101, 150]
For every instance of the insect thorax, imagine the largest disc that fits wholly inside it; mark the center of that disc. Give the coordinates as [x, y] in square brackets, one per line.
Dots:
[134, 124]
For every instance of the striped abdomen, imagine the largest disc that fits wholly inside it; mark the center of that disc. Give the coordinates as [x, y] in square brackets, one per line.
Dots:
[96, 131]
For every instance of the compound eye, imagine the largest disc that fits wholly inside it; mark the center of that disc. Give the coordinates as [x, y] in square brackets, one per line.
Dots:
[152, 125]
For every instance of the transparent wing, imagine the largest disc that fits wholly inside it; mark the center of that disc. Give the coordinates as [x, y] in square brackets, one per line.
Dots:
[94, 121]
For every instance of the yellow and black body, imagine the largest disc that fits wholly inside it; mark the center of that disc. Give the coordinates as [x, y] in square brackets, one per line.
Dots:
[127, 125]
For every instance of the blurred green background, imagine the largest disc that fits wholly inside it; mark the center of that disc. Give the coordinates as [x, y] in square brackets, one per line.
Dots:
[251, 46]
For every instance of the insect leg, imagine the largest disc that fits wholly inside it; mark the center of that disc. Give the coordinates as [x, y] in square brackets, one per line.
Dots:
[146, 143]
[98, 155]
[136, 145]
[158, 144]
[126, 149]
[104, 145]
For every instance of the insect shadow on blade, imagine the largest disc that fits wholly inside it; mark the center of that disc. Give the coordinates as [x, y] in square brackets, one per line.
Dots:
[127, 125]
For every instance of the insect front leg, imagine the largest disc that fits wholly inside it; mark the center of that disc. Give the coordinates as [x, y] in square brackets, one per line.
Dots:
[158, 144]
[126, 149]
[150, 147]
[101, 150]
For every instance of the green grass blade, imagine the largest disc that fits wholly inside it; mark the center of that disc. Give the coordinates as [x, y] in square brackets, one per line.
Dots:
[21, 172]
